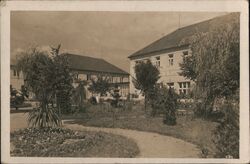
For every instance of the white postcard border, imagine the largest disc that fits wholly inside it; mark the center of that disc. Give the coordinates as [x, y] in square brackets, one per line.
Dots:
[151, 6]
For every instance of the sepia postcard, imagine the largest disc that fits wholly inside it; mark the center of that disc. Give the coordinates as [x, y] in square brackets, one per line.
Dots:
[124, 82]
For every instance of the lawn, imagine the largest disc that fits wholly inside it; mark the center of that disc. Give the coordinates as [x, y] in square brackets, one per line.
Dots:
[188, 128]
[60, 142]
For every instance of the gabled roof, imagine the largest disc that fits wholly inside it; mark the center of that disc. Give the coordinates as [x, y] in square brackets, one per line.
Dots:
[85, 63]
[174, 39]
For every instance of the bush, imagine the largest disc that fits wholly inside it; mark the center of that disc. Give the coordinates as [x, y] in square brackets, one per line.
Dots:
[17, 97]
[116, 97]
[64, 101]
[92, 100]
[202, 109]
[165, 100]
[226, 135]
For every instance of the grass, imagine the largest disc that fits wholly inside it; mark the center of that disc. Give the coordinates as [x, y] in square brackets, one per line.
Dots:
[194, 130]
[58, 142]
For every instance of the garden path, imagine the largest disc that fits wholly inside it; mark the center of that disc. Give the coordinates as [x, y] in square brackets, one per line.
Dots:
[151, 145]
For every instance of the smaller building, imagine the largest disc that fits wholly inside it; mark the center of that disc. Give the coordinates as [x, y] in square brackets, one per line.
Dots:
[89, 68]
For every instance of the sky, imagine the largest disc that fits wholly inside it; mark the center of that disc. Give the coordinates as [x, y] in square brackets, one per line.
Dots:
[112, 36]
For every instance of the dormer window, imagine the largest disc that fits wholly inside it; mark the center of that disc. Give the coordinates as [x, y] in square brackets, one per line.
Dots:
[171, 59]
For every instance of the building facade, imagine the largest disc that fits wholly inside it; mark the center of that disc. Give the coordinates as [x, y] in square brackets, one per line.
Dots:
[168, 52]
[16, 78]
[168, 64]
[87, 69]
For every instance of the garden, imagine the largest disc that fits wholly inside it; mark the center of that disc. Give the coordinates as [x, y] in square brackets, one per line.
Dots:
[45, 136]
[61, 142]
[210, 120]
[188, 127]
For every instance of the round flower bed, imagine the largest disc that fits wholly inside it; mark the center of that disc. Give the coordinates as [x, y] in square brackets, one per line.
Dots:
[60, 142]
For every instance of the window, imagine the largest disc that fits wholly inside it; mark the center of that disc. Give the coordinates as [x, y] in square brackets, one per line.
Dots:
[76, 75]
[185, 53]
[88, 77]
[184, 87]
[14, 73]
[158, 62]
[170, 85]
[171, 59]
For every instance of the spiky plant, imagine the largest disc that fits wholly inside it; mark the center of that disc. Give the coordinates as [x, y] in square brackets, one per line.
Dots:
[44, 117]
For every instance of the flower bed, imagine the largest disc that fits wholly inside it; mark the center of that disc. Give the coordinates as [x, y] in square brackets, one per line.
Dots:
[59, 142]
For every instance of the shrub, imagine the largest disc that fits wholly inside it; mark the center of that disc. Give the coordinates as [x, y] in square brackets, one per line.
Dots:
[165, 100]
[17, 97]
[226, 135]
[78, 97]
[64, 101]
[203, 109]
[116, 97]
[92, 100]
[128, 105]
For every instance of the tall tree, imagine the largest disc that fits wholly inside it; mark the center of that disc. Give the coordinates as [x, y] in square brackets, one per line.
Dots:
[214, 62]
[62, 81]
[215, 66]
[146, 77]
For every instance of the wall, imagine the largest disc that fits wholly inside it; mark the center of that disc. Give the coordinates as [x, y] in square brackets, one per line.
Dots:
[169, 73]
[115, 79]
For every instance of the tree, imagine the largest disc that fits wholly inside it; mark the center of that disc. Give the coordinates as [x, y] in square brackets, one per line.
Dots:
[79, 95]
[214, 66]
[48, 77]
[100, 86]
[214, 62]
[63, 80]
[146, 77]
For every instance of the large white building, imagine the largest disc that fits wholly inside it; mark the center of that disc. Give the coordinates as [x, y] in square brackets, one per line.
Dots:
[167, 53]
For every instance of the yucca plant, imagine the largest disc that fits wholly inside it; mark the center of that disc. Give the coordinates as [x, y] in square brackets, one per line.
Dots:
[44, 117]
[48, 77]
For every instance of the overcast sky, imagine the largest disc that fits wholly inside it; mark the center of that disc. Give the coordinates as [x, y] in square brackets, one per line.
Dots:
[112, 36]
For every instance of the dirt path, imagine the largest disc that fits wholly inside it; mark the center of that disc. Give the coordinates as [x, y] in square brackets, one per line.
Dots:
[151, 145]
